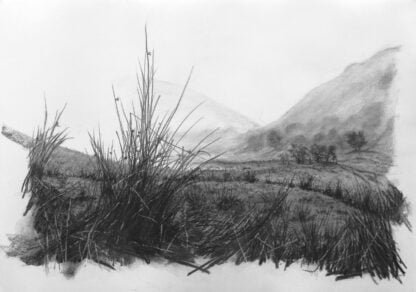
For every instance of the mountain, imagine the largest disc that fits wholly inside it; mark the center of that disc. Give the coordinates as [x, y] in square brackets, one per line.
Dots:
[361, 98]
[209, 114]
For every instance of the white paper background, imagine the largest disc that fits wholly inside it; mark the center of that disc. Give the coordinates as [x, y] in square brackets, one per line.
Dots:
[258, 57]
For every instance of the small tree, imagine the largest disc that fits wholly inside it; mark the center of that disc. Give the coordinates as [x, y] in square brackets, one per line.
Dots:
[332, 154]
[319, 153]
[323, 153]
[300, 153]
[356, 140]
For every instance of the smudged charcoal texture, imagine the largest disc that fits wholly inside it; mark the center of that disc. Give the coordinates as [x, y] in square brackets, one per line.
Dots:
[17, 136]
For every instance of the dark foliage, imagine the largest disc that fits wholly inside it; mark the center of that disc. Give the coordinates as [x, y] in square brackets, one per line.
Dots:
[300, 153]
[356, 140]
[323, 153]
[249, 176]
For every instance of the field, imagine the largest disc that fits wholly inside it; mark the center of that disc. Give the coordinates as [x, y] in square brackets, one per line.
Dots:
[336, 217]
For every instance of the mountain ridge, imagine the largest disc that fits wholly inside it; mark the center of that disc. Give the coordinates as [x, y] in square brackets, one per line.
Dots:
[361, 97]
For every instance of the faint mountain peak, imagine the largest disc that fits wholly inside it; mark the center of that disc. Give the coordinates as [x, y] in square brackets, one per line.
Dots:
[209, 115]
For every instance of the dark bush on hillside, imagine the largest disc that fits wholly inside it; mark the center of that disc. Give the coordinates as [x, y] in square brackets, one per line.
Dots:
[300, 154]
[249, 176]
[356, 140]
[306, 182]
[323, 153]
[226, 176]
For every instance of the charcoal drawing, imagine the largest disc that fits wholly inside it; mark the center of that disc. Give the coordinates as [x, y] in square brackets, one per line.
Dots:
[188, 181]
[310, 186]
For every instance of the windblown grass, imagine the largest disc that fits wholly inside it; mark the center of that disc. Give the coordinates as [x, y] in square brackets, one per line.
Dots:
[138, 182]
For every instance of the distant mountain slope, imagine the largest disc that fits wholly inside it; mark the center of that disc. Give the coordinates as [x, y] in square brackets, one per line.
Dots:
[209, 115]
[213, 114]
[360, 98]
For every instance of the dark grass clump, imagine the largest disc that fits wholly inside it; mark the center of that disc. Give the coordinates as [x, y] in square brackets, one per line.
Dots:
[226, 200]
[138, 182]
[364, 246]
[306, 182]
[249, 176]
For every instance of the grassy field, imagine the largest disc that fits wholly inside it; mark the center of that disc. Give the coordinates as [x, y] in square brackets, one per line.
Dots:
[337, 217]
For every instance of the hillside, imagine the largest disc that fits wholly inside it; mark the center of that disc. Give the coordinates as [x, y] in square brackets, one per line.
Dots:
[208, 116]
[361, 98]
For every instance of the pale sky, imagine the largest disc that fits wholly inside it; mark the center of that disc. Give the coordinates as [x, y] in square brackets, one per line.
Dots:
[258, 57]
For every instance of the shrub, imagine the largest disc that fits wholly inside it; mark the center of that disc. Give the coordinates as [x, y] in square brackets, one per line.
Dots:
[319, 153]
[323, 153]
[300, 153]
[306, 182]
[356, 140]
[226, 176]
[250, 176]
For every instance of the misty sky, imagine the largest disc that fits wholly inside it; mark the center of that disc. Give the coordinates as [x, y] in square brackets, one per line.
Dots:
[258, 57]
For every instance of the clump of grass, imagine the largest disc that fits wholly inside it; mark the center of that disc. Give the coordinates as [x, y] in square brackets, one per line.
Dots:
[46, 140]
[365, 245]
[335, 192]
[138, 181]
[306, 182]
[226, 176]
[226, 200]
[249, 176]
[141, 181]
